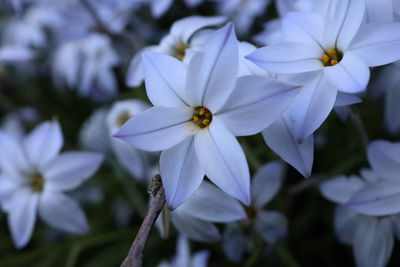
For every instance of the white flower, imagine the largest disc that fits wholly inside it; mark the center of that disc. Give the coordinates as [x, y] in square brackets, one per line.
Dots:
[206, 206]
[335, 51]
[186, 37]
[132, 159]
[270, 225]
[183, 257]
[34, 177]
[198, 110]
[382, 197]
[372, 238]
[86, 64]
[383, 10]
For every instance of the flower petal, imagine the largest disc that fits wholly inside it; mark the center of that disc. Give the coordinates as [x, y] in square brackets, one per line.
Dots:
[193, 228]
[12, 157]
[392, 109]
[223, 160]
[373, 243]
[280, 138]
[211, 204]
[341, 188]
[212, 74]
[288, 58]
[255, 103]
[165, 79]
[71, 169]
[158, 128]
[180, 172]
[379, 199]
[266, 183]
[234, 243]
[303, 27]
[377, 43]
[384, 158]
[185, 28]
[351, 75]
[346, 223]
[22, 216]
[62, 212]
[312, 105]
[43, 143]
[271, 225]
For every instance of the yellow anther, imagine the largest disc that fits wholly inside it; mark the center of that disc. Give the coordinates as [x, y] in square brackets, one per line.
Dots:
[181, 48]
[180, 57]
[195, 118]
[331, 52]
[325, 58]
[334, 62]
[202, 111]
[206, 122]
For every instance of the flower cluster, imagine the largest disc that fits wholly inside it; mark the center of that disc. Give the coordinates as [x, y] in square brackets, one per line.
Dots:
[193, 91]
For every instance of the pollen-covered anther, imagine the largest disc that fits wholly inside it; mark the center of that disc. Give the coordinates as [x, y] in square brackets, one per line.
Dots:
[180, 51]
[202, 117]
[37, 182]
[331, 57]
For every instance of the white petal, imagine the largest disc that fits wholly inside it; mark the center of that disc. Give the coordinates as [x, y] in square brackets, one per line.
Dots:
[212, 74]
[266, 183]
[223, 160]
[234, 243]
[384, 158]
[182, 257]
[135, 72]
[255, 103]
[186, 28]
[62, 212]
[180, 172]
[378, 43]
[346, 223]
[193, 228]
[71, 169]
[12, 157]
[200, 259]
[288, 58]
[351, 75]
[374, 243]
[271, 225]
[43, 143]
[377, 199]
[380, 11]
[312, 105]
[351, 24]
[165, 79]
[280, 138]
[343, 99]
[22, 216]
[132, 159]
[159, 7]
[158, 128]
[211, 204]
[303, 27]
[341, 188]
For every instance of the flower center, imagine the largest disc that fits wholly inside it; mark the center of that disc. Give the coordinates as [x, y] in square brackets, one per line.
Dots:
[251, 212]
[37, 182]
[331, 57]
[179, 52]
[202, 117]
[122, 118]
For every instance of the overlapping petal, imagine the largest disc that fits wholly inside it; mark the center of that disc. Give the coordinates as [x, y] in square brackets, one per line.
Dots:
[255, 103]
[158, 128]
[12, 156]
[384, 158]
[180, 172]
[223, 160]
[340, 189]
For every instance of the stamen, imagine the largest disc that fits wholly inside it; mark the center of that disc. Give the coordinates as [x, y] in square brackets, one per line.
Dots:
[331, 57]
[180, 50]
[122, 118]
[37, 182]
[202, 117]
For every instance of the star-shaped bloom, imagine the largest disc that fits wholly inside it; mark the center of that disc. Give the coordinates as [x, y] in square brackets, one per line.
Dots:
[372, 237]
[33, 178]
[206, 206]
[270, 225]
[334, 51]
[198, 110]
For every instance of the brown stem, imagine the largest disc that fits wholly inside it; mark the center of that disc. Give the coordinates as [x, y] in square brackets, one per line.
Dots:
[134, 257]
